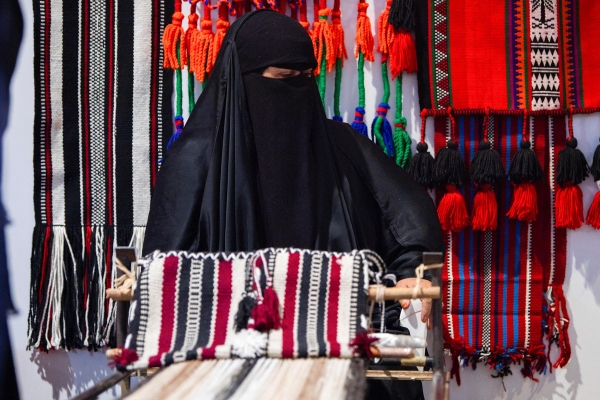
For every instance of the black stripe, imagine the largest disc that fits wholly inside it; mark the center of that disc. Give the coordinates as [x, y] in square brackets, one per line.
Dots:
[206, 312]
[182, 301]
[123, 117]
[37, 121]
[70, 116]
[303, 306]
[422, 45]
[323, 286]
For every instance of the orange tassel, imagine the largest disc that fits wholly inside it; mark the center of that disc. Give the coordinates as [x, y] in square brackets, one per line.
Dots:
[385, 31]
[568, 206]
[524, 206]
[192, 31]
[485, 210]
[403, 54]
[323, 36]
[202, 41]
[222, 27]
[172, 37]
[593, 215]
[452, 210]
[337, 36]
[364, 37]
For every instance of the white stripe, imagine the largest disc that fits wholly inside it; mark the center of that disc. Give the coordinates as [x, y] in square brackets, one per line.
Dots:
[56, 104]
[551, 181]
[344, 304]
[155, 289]
[280, 274]
[213, 313]
[142, 61]
[313, 305]
[192, 325]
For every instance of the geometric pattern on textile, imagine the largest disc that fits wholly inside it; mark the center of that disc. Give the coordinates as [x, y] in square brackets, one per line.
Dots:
[101, 110]
[508, 54]
[184, 305]
[495, 282]
[544, 55]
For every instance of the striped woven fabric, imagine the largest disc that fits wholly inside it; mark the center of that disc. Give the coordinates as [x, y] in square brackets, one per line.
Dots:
[498, 283]
[101, 110]
[508, 54]
[184, 306]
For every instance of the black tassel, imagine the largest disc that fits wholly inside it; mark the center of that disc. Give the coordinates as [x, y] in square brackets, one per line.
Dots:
[486, 166]
[449, 166]
[244, 312]
[572, 165]
[421, 166]
[402, 15]
[525, 166]
[595, 168]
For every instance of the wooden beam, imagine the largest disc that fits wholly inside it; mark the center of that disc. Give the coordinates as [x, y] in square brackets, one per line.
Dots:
[399, 375]
[394, 293]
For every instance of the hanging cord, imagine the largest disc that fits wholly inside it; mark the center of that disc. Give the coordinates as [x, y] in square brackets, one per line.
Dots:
[402, 140]
[178, 104]
[382, 131]
[340, 54]
[190, 35]
[364, 50]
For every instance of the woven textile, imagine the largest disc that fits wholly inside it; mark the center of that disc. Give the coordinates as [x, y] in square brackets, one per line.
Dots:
[508, 54]
[184, 306]
[100, 117]
[496, 281]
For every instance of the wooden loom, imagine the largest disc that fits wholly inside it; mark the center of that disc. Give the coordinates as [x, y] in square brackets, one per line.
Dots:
[266, 378]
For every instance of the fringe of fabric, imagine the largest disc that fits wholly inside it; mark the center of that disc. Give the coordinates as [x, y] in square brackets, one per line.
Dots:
[532, 359]
[71, 267]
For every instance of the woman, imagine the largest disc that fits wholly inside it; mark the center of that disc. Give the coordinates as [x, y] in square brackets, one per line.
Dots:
[259, 165]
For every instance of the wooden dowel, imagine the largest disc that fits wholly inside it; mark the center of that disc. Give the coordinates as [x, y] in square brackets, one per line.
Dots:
[399, 375]
[392, 352]
[395, 293]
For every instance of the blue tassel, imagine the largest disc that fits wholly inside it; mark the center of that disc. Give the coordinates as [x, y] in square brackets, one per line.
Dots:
[178, 129]
[359, 123]
[386, 129]
[338, 118]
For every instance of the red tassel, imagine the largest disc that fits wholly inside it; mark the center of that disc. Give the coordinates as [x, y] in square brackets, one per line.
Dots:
[569, 206]
[524, 206]
[485, 209]
[403, 54]
[593, 215]
[362, 344]
[266, 314]
[452, 210]
[558, 324]
[125, 358]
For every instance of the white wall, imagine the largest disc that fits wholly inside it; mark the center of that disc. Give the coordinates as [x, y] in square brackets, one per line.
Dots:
[61, 375]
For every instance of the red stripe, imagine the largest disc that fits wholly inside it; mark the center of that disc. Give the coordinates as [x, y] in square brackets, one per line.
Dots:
[222, 309]
[560, 235]
[169, 291]
[589, 28]
[333, 300]
[289, 310]
[477, 35]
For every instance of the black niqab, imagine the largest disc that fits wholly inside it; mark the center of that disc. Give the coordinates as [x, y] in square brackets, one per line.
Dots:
[259, 165]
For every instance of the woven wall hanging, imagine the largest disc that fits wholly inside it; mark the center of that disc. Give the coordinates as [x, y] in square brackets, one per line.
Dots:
[102, 114]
